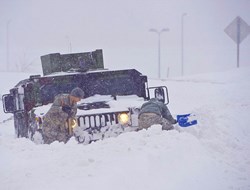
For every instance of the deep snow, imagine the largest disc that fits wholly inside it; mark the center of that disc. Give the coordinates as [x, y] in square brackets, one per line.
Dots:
[211, 155]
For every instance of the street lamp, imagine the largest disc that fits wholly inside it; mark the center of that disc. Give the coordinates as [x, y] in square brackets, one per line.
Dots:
[159, 47]
[182, 40]
[70, 45]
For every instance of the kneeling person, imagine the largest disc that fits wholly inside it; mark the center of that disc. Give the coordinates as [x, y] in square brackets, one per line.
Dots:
[155, 112]
[63, 108]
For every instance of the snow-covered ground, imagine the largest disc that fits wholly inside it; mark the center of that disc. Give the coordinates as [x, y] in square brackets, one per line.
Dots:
[213, 155]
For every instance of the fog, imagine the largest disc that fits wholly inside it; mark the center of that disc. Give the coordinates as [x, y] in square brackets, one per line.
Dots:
[31, 28]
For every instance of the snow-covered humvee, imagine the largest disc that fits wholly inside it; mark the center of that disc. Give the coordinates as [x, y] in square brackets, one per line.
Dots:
[112, 97]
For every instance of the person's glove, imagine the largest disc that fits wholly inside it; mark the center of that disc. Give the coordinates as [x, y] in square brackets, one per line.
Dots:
[67, 109]
[174, 121]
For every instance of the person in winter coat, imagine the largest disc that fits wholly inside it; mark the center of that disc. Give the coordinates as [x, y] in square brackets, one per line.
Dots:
[63, 108]
[155, 112]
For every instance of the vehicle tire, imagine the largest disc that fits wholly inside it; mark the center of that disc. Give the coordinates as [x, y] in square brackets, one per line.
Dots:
[21, 124]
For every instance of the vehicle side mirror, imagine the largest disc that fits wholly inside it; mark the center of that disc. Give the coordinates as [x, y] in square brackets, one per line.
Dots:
[8, 103]
[160, 94]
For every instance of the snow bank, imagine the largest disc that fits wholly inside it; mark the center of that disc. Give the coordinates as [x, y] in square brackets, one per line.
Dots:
[211, 155]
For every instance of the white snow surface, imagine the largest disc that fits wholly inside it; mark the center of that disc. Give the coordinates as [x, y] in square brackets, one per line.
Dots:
[212, 155]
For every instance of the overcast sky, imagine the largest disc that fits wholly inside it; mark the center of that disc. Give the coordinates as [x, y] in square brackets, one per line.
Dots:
[31, 28]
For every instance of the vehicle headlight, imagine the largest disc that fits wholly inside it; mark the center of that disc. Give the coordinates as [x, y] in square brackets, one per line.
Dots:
[123, 118]
[37, 118]
[73, 123]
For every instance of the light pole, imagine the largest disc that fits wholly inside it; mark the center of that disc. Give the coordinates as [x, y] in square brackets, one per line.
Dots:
[70, 46]
[159, 47]
[182, 41]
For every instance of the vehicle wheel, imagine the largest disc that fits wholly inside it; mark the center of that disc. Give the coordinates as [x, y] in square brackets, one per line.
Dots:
[21, 124]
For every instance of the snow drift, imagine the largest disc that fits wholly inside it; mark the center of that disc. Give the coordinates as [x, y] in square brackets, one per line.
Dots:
[211, 155]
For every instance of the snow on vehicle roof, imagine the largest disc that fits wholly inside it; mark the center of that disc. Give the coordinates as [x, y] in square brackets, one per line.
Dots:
[78, 72]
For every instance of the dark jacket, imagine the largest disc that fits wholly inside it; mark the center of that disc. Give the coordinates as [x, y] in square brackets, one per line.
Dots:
[157, 107]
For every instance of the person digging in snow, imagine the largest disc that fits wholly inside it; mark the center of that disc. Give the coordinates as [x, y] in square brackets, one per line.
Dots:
[63, 109]
[155, 112]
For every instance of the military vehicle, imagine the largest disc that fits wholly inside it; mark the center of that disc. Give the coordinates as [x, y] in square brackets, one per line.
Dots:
[112, 97]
